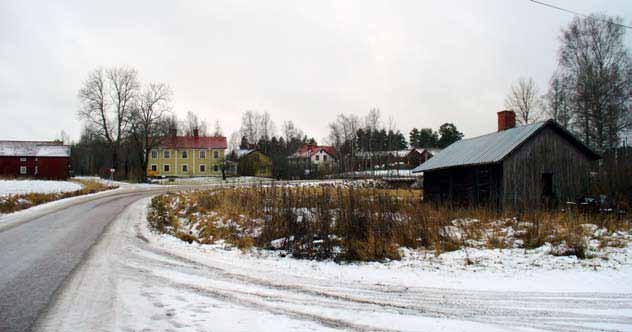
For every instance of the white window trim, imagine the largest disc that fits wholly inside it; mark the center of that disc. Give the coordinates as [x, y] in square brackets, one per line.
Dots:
[166, 154]
[152, 166]
[183, 166]
[184, 154]
[166, 165]
[202, 152]
[23, 170]
[154, 154]
[215, 154]
[202, 168]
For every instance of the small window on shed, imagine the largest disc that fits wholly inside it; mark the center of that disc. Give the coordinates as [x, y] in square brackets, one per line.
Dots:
[22, 170]
[547, 184]
[23, 160]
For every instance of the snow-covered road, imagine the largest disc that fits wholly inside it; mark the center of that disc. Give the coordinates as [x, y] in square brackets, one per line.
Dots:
[134, 280]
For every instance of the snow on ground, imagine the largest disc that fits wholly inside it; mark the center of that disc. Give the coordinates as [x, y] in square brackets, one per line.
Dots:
[12, 187]
[136, 280]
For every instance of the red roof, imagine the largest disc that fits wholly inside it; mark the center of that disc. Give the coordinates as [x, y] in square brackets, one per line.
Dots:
[194, 142]
[308, 150]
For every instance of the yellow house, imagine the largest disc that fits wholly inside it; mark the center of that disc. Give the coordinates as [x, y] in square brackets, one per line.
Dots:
[254, 163]
[187, 156]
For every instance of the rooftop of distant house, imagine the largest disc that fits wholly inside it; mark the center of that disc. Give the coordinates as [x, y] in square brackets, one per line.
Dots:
[307, 150]
[194, 141]
[34, 149]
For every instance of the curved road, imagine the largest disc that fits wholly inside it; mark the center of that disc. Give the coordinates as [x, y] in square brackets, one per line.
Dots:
[36, 255]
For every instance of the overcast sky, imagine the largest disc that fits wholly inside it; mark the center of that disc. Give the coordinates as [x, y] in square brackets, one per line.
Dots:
[422, 62]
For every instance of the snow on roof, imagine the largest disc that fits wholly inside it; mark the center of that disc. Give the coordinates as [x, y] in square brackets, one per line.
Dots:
[33, 149]
[243, 152]
[490, 148]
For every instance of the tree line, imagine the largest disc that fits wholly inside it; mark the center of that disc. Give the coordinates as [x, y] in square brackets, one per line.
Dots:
[590, 93]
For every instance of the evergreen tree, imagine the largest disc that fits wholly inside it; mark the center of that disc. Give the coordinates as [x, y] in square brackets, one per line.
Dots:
[449, 134]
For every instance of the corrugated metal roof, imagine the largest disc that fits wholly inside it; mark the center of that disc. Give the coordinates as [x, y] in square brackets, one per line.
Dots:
[486, 149]
[33, 149]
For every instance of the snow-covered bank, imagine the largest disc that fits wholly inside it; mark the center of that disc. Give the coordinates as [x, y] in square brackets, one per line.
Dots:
[136, 280]
[13, 187]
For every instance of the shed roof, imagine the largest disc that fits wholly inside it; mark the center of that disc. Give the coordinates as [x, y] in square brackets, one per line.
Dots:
[33, 149]
[494, 147]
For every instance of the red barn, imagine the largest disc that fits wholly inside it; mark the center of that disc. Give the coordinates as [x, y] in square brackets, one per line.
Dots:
[34, 159]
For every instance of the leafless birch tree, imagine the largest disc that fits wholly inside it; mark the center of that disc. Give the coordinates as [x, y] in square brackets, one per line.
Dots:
[524, 99]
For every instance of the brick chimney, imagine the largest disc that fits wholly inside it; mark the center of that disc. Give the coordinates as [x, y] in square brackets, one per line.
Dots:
[506, 120]
[196, 132]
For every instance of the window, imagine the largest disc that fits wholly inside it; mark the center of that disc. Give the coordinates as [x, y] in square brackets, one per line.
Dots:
[185, 168]
[215, 154]
[154, 168]
[324, 157]
[166, 168]
[185, 155]
[166, 154]
[23, 160]
[154, 154]
[22, 169]
[202, 154]
[317, 157]
[202, 168]
[547, 184]
[215, 168]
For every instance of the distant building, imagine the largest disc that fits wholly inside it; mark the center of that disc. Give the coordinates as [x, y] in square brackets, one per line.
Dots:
[314, 157]
[249, 162]
[533, 165]
[396, 159]
[34, 159]
[187, 156]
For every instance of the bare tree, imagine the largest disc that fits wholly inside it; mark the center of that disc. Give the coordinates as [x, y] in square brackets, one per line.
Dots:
[343, 135]
[290, 131]
[106, 99]
[256, 126]
[557, 104]
[217, 129]
[598, 65]
[234, 141]
[147, 122]
[193, 123]
[524, 99]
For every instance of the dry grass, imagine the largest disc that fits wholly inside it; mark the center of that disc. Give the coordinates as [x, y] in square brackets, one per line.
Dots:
[349, 223]
[13, 203]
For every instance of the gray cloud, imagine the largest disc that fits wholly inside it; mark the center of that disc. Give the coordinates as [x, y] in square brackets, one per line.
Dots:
[422, 62]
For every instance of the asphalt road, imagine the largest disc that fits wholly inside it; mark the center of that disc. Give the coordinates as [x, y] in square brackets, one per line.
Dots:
[37, 256]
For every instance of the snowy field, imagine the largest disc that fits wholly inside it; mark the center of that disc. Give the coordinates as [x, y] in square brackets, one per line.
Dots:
[12, 187]
[135, 280]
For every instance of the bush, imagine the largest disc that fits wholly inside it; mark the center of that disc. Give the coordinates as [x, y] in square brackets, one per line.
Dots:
[354, 223]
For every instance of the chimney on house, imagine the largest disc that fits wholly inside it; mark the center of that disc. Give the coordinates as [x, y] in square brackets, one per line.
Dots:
[196, 132]
[506, 120]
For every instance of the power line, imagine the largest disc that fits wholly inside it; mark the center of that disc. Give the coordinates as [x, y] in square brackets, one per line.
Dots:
[575, 13]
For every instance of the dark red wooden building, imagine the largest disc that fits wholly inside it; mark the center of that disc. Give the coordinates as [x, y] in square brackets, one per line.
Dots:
[34, 159]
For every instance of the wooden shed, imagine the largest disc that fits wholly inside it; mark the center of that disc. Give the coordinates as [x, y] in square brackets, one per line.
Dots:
[534, 165]
[34, 159]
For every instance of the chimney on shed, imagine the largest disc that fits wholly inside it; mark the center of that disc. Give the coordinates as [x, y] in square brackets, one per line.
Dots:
[506, 120]
[196, 132]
